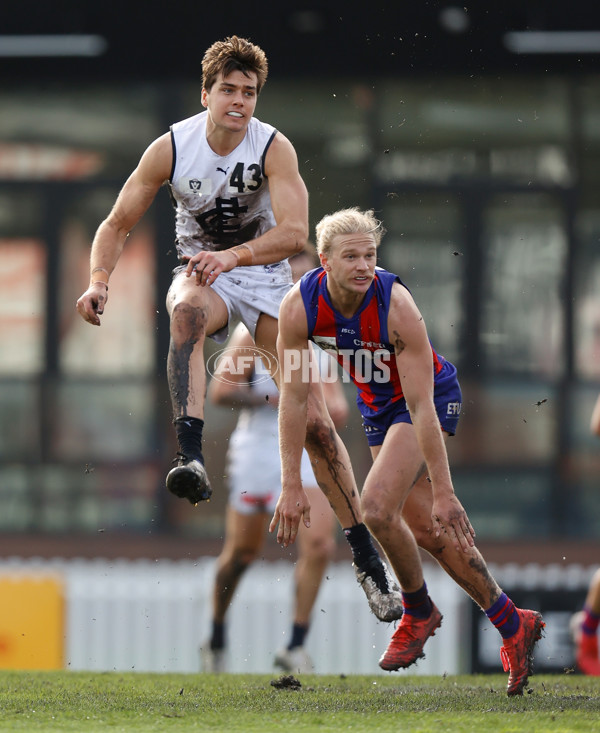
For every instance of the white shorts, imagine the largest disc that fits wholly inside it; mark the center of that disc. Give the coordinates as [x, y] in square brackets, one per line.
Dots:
[249, 291]
[255, 480]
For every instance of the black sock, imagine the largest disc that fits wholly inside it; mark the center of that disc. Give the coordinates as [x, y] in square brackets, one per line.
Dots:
[366, 557]
[217, 640]
[298, 635]
[361, 542]
[189, 436]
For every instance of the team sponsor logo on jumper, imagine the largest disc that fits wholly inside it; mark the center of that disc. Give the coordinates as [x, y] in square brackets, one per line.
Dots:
[369, 344]
[453, 409]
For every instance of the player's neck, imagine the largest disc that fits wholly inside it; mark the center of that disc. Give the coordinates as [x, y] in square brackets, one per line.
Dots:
[345, 301]
[223, 141]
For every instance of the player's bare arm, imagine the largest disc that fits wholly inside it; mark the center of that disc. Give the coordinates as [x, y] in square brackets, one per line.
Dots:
[132, 202]
[289, 201]
[408, 333]
[293, 505]
[336, 402]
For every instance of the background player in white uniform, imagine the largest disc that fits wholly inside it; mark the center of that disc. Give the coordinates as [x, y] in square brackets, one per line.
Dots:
[241, 210]
[254, 473]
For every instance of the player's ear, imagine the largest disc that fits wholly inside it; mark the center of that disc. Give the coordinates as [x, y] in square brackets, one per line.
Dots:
[324, 263]
[204, 98]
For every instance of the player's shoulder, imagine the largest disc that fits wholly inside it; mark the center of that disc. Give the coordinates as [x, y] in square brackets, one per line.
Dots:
[280, 152]
[292, 297]
[189, 123]
[256, 124]
[292, 310]
[399, 293]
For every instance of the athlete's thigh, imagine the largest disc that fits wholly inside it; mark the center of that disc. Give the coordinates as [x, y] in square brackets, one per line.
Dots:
[266, 339]
[418, 504]
[245, 532]
[185, 290]
[397, 464]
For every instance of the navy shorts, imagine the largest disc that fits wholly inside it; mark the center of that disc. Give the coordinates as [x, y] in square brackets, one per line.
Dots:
[446, 396]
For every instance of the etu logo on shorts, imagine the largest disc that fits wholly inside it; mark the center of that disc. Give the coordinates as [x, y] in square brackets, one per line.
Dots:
[453, 409]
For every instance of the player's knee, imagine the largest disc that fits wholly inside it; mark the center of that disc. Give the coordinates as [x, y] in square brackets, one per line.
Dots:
[320, 549]
[241, 560]
[374, 515]
[421, 526]
[188, 323]
[426, 539]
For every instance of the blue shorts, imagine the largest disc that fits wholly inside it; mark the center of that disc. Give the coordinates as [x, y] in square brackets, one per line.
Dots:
[447, 398]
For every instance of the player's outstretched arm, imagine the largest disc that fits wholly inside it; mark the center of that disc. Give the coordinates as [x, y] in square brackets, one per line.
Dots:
[292, 346]
[132, 202]
[408, 333]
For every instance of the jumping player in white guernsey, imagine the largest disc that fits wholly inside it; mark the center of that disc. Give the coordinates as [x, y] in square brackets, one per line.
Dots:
[241, 211]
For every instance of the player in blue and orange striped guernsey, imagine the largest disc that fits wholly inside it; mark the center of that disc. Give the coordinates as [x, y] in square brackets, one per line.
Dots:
[362, 347]
[410, 401]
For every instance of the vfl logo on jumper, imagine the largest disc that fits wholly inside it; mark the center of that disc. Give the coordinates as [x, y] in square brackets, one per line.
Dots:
[453, 409]
[228, 364]
[198, 186]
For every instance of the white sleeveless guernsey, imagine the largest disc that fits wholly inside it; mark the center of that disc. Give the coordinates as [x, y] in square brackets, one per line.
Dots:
[253, 464]
[220, 201]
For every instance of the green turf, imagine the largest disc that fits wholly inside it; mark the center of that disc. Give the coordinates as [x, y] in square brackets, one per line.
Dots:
[89, 702]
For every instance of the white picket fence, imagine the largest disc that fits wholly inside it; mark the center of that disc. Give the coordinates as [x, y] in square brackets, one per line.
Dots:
[153, 616]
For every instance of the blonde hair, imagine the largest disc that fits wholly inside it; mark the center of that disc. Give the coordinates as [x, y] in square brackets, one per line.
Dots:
[234, 54]
[347, 221]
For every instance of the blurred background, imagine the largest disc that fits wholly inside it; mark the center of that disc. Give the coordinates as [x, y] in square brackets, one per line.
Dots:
[473, 131]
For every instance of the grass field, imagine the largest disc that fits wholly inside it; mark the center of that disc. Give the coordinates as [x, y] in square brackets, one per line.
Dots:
[89, 702]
